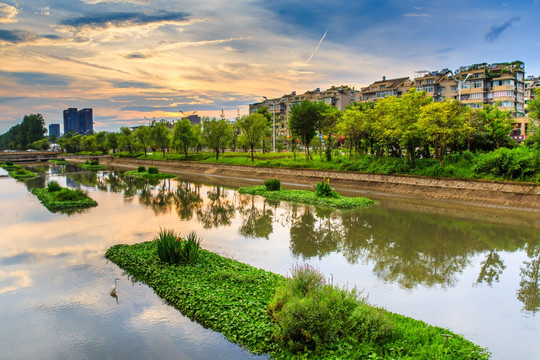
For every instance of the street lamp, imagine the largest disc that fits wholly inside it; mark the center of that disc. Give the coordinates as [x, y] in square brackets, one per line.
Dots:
[273, 124]
[460, 84]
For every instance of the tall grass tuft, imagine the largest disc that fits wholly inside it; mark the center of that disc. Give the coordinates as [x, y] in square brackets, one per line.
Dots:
[153, 170]
[174, 250]
[323, 189]
[141, 169]
[53, 186]
[272, 184]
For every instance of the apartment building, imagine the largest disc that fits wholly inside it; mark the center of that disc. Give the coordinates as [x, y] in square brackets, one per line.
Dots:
[474, 85]
[338, 96]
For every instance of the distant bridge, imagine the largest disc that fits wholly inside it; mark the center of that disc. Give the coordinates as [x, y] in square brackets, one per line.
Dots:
[29, 156]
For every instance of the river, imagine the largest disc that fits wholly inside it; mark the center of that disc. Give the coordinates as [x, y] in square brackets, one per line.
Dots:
[472, 270]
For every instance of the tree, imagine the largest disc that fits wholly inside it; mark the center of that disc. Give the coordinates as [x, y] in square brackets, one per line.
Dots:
[126, 138]
[498, 125]
[443, 123]
[161, 135]
[268, 129]
[533, 108]
[143, 135]
[22, 135]
[101, 142]
[216, 134]
[112, 141]
[252, 127]
[354, 125]
[182, 136]
[303, 118]
[326, 124]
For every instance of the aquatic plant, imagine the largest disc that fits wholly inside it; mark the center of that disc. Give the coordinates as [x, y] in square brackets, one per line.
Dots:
[272, 184]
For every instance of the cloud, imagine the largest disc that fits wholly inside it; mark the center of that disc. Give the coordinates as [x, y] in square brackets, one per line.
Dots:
[445, 50]
[134, 2]
[495, 31]
[7, 13]
[22, 36]
[46, 11]
[125, 19]
[37, 78]
[416, 15]
[137, 56]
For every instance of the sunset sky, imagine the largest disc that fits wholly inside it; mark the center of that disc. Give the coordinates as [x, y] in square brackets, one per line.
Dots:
[136, 59]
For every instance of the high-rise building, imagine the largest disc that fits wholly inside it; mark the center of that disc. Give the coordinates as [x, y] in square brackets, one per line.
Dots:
[71, 123]
[54, 129]
[80, 122]
[86, 121]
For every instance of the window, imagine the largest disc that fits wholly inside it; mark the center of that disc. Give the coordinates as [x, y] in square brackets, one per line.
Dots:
[441, 89]
[477, 84]
[464, 84]
[383, 87]
[519, 86]
[477, 75]
[419, 88]
[503, 93]
[454, 87]
[520, 96]
[430, 81]
[428, 88]
[373, 88]
[507, 103]
[519, 76]
[477, 96]
[519, 107]
[476, 105]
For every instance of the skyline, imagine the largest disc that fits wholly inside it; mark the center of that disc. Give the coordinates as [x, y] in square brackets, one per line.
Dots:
[133, 60]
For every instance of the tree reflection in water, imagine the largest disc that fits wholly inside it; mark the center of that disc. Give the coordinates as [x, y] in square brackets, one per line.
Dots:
[218, 211]
[187, 199]
[256, 223]
[491, 269]
[529, 286]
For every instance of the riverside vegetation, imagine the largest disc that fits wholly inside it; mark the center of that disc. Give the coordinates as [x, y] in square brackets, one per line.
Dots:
[302, 316]
[17, 171]
[55, 198]
[92, 165]
[151, 174]
[323, 195]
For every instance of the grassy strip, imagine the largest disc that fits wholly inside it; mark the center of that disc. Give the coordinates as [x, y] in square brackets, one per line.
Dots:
[232, 298]
[308, 197]
[18, 172]
[51, 199]
[92, 167]
[59, 161]
[148, 176]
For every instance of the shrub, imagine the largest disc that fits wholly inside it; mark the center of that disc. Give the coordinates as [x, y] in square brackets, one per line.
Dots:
[53, 186]
[153, 170]
[141, 169]
[323, 189]
[70, 195]
[272, 184]
[172, 249]
[313, 315]
[9, 163]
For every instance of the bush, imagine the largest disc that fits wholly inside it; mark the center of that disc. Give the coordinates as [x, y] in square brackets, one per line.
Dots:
[323, 189]
[313, 315]
[272, 184]
[141, 169]
[153, 170]
[173, 250]
[70, 195]
[520, 163]
[53, 186]
[9, 163]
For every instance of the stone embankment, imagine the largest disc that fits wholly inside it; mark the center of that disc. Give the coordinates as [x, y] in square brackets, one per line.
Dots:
[487, 193]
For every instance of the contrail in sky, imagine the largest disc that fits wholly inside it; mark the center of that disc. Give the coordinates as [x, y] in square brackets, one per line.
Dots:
[317, 47]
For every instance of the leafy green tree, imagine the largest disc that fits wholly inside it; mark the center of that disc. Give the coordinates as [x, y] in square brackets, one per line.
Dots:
[160, 133]
[252, 127]
[268, 129]
[498, 125]
[197, 137]
[22, 135]
[112, 141]
[42, 144]
[126, 140]
[533, 108]
[326, 124]
[443, 124]
[101, 142]
[216, 134]
[88, 143]
[303, 118]
[182, 136]
[143, 136]
[354, 125]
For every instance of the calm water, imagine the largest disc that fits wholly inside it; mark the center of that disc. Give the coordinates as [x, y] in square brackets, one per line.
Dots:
[475, 272]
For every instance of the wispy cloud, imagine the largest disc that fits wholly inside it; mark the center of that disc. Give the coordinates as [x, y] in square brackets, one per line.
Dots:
[46, 11]
[137, 56]
[495, 31]
[23, 36]
[120, 19]
[8, 13]
[135, 2]
[416, 15]
[37, 78]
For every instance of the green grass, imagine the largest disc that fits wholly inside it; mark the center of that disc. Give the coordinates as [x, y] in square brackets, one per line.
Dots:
[59, 161]
[308, 197]
[92, 167]
[233, 298]
[148, 176]
[63, 199]
[18, 172]
[519, 164]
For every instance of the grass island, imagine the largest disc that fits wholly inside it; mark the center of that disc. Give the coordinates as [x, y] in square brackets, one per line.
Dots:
[298, 317]
[17, 171]
[56, 198]
[152, 173]
[322, 196]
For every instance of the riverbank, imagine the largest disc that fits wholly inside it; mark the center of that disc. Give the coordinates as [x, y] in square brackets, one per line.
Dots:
[232, 298]
[482, 193]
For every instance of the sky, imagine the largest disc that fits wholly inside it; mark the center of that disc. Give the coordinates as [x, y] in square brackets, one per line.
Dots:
[135, 60]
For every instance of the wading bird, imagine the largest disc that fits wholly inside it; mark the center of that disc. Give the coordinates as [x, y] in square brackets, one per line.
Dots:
[113, 288]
